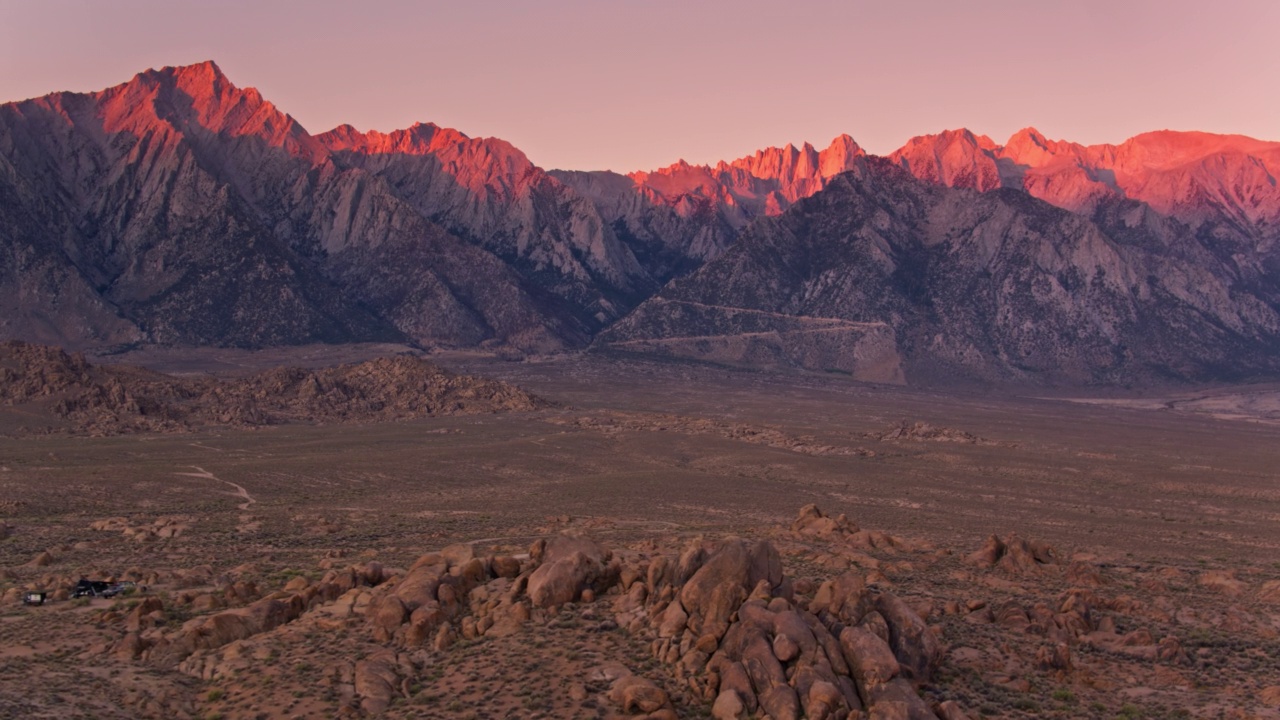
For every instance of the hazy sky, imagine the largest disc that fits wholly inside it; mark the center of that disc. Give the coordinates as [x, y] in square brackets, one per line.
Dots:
[638, 84]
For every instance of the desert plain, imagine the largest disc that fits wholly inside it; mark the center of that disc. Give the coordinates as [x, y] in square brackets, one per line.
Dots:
[1038, 554]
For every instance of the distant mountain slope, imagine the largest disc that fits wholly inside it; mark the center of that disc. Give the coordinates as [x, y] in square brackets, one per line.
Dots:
[43, 295]
[994, 285]
[488, 192]
[123, 205]
[683, 215]
[178, 208]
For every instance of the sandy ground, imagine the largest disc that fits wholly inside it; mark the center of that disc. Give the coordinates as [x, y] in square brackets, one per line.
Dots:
[660, 453]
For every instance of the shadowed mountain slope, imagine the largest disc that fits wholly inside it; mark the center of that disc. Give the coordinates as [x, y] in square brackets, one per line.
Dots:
[177, 208]
[995, 285]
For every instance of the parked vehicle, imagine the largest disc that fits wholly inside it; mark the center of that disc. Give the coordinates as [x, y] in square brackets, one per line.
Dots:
[100, 588]
[89, 588]
[120, 588]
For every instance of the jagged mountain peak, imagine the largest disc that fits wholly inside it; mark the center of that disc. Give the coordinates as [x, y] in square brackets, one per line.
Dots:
[1028, 134]
[839, 156]
[770, 163]
[845, 143]
[206, 78]
[483, 165]
[200, 99]
[763, 183]
[204, 86]
[1032, 148]
[957, 158]
[963, 136]
[417, 139]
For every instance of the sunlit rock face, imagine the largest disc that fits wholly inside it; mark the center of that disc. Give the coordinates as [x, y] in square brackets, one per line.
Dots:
[683, 215]
[956, 158]
[1193, 176]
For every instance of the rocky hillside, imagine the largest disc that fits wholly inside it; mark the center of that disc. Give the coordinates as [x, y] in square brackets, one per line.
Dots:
[993, 285]
[73, 396]
[818, 620]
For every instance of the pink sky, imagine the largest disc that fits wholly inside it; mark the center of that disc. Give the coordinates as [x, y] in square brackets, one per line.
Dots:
[638, 84]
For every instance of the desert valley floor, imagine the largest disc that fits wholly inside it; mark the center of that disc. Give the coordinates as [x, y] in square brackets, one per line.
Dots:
[1136, 574]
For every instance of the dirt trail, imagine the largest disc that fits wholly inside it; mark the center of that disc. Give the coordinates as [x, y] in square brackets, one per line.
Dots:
[784, 316]
[240, 491]
[768, 333]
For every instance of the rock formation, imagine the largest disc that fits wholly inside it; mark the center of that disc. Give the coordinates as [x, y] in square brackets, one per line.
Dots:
[107, 400]
[820, 618]
[722, 615]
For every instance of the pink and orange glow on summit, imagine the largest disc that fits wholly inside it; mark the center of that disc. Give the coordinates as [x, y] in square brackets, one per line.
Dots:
[637, 85]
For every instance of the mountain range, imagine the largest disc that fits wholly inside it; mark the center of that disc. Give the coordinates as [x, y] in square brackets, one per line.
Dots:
[179, 209]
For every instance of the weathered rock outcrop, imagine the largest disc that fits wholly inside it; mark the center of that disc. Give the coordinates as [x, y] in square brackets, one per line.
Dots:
[733, 628]
[1013, 555]
[569, 566]
[108, 400]
[723, 615]
[925, 432]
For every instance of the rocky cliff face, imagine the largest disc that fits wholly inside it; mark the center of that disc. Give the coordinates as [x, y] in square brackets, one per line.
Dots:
[683, 215]
[488, 192]
[993, 285]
